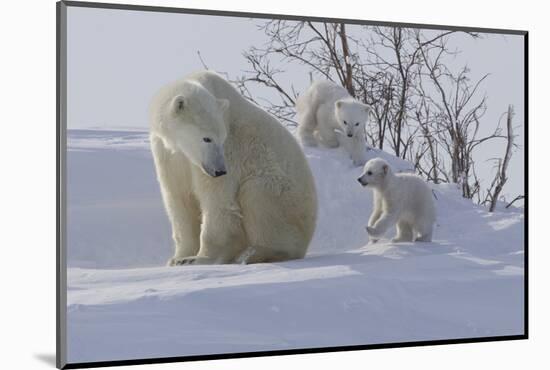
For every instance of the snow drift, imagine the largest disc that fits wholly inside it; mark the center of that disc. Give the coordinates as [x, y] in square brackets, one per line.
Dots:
[124, 304]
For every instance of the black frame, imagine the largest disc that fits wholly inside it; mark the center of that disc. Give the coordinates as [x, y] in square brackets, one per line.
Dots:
[61, 266]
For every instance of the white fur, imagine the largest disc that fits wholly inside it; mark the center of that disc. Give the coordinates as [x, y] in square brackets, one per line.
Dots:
[327, 114]
[355, 146]
[263, 209]
[404, 200]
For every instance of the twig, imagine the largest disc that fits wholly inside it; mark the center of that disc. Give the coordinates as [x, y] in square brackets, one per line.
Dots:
[519, 197]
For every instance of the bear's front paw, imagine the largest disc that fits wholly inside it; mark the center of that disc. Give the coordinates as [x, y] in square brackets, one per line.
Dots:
[178, 261]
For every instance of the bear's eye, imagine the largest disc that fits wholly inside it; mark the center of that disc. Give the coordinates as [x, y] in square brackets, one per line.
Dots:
[345, 123]
[369, 173]
[357, 124]
[206, 139]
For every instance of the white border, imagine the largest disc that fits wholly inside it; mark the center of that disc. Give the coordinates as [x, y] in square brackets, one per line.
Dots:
[28, 182]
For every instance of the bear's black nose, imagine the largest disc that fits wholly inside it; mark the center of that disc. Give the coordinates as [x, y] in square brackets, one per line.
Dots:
[350, 135]
[219, 173]
[359, 179]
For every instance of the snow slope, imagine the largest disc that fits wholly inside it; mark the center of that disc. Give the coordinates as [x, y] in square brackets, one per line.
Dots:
[123, 303]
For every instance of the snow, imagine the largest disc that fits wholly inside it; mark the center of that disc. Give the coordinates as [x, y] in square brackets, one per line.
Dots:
[124, 304]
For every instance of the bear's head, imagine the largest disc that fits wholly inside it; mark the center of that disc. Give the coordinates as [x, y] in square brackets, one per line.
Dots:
[193, 123]
[375, 173]
[351, 116]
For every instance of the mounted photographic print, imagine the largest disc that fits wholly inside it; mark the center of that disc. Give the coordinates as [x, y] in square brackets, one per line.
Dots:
[235, 184]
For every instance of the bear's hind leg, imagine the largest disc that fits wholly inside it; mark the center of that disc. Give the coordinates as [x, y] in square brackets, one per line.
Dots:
[427, 237]
[306, 128]
[404, 232]
[222, 235]
[277, 228]
[262, 255]
[424, 234]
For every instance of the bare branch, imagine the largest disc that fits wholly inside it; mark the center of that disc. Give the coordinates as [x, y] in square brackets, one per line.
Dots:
[501, 175]
[519, 197]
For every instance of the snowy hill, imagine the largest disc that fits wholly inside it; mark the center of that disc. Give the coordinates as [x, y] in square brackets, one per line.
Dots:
[123, 304]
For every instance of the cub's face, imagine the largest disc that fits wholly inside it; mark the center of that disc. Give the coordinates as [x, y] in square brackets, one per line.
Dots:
[195, 126]
[374, 173]
[352, 117]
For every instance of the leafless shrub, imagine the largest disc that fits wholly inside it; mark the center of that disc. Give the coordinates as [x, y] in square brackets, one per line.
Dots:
[423, 110]
[501, 175]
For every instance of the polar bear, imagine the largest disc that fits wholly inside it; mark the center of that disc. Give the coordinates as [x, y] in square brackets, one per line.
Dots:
[356, 147]
[235, 183]
[329, 115]
[401, 199]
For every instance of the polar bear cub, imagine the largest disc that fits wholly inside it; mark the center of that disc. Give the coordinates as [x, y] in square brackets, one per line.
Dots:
[401, 199]
[235, 183]
[328, 115]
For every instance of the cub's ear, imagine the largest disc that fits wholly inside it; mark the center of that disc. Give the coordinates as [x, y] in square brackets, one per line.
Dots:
[385, 168]
[367, 108]
[178, 104]
[338, 104]
[223, 104]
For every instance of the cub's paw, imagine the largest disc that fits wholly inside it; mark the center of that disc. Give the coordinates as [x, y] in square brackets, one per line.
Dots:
[331, 143]
[400, 240]
[308, 141]
[371, 231]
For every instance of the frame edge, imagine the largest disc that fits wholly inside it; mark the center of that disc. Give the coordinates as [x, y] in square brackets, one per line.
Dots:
[61, 117]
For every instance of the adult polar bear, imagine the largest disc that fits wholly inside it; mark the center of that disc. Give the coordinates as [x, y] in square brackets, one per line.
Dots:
[235, 183]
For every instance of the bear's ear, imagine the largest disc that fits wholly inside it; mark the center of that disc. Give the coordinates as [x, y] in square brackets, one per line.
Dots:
[338, 104]
[223, 104]
[367, 108]
[178, 104]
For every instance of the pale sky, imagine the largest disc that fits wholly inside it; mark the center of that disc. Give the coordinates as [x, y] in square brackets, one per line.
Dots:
[118, 59]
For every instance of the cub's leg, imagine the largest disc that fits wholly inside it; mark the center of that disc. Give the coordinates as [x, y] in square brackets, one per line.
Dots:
[383, 224]
[376, 213]
[326, 126]
[425, 234]
[404, 232]
[307, 126]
